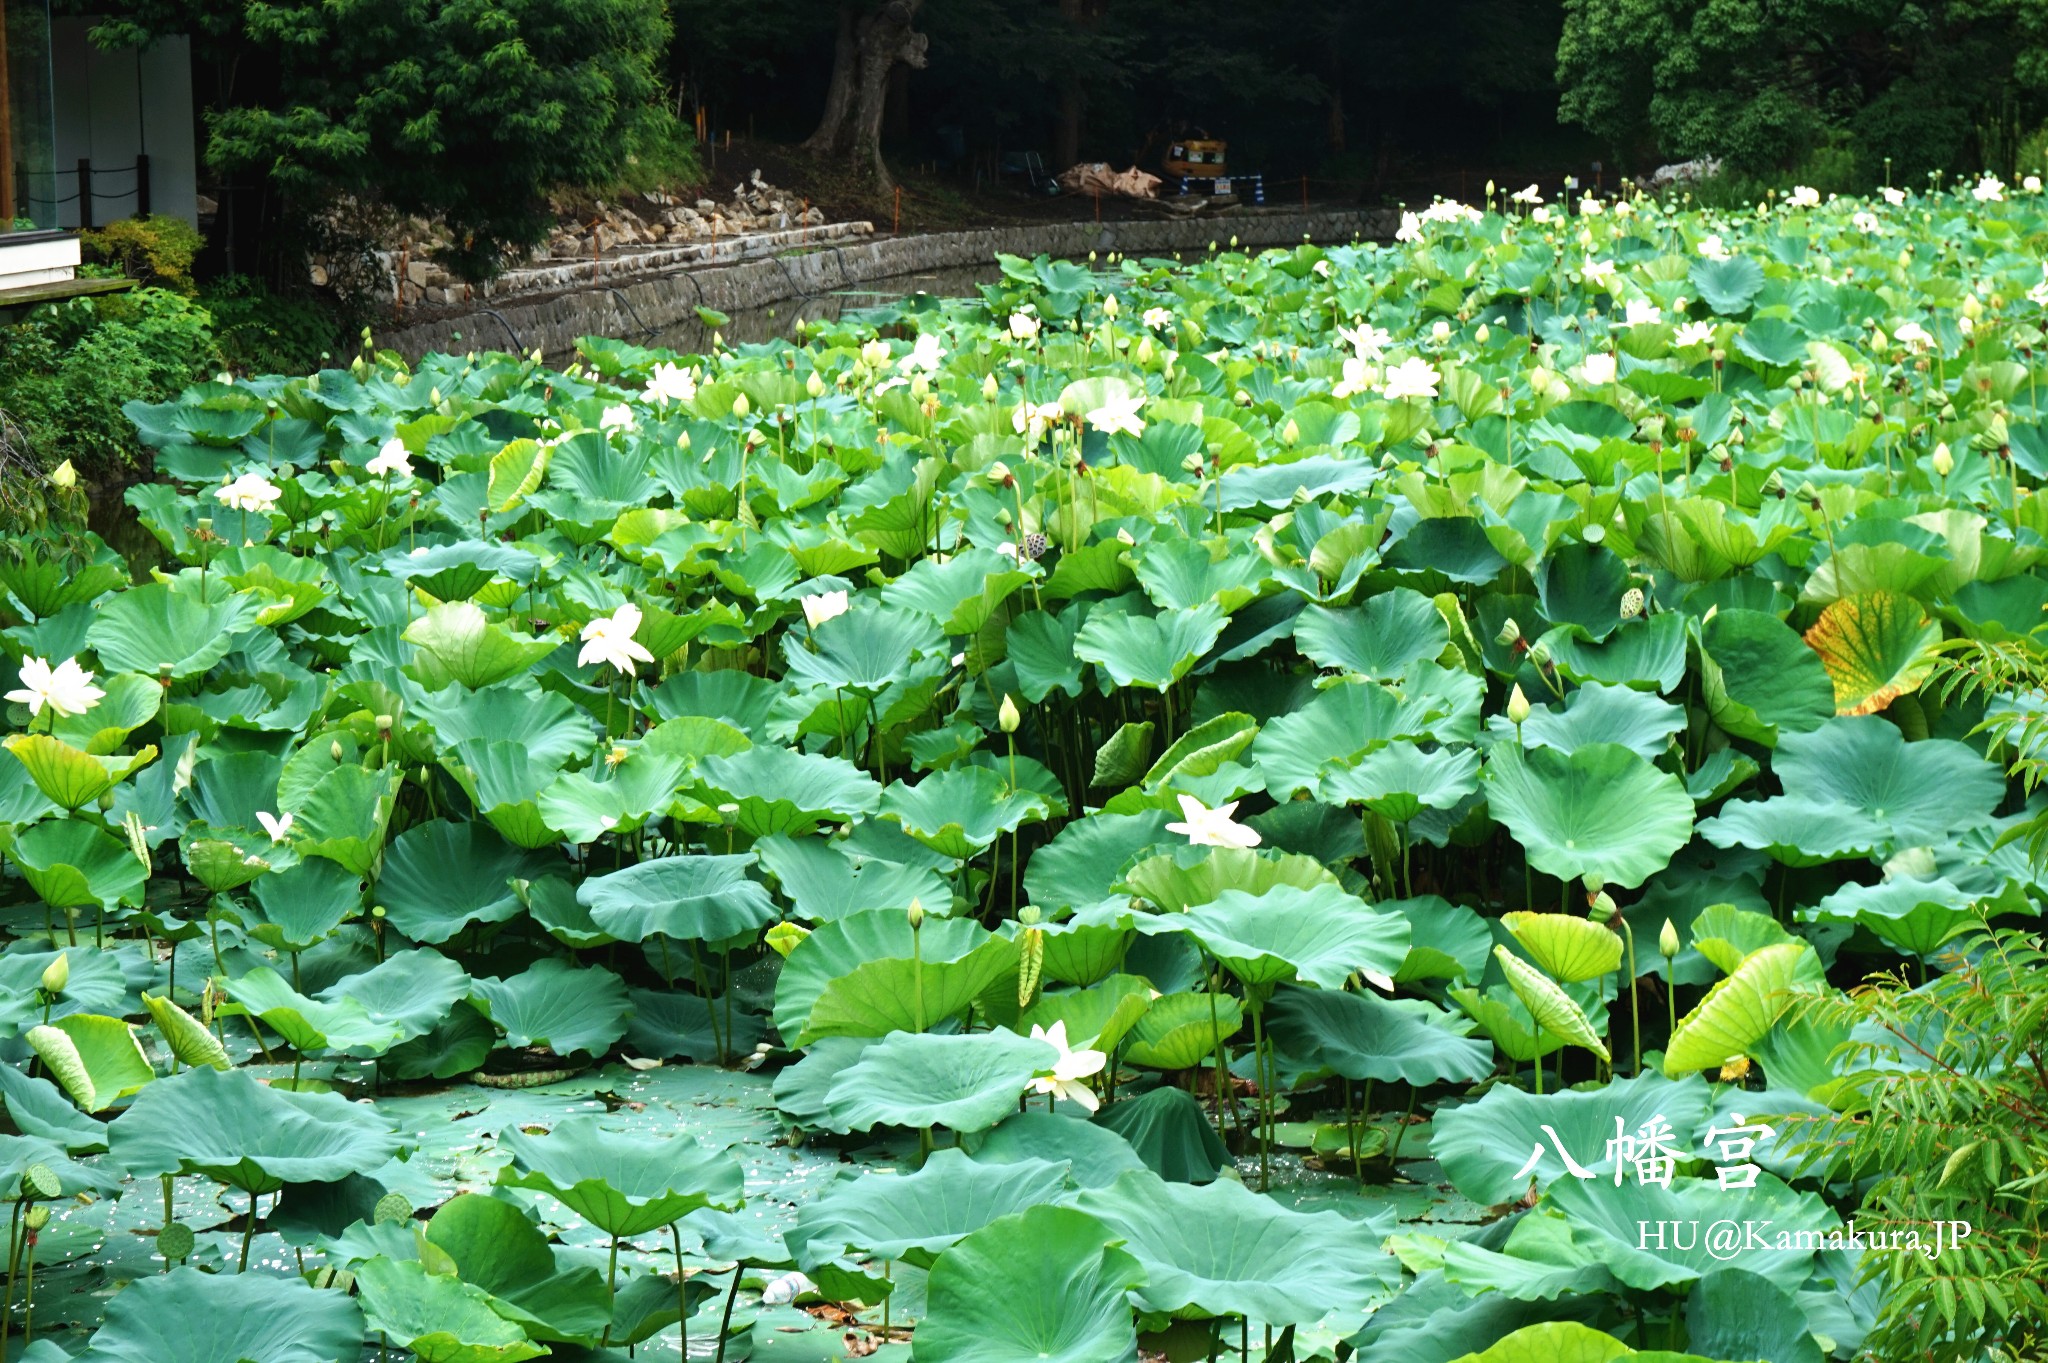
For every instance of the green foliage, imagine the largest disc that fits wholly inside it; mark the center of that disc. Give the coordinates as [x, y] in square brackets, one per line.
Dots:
[66, 371]
[156, 249]
[261, 332]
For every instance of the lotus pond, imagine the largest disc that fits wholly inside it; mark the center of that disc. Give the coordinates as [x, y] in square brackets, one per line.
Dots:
[1281, 806]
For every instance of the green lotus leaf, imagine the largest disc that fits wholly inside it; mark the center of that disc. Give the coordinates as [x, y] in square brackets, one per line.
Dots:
[96, 1059]
[962, 593]
[780, 790]
[504, 782]
[1563, 1341]
[497, 1249]
[692, 898]
[1759, 677]
[1553, 1009]
[1482, 1145]
[1502, 1015]
[1042, 1286]
[1733, 1313]
[1197, 875]
[462, 1042]
[192, 1316]
[248, 1135]
[1402, 779]
[310, 1025]
[1381, 640]
[1152, 651]
[455, 642]
[824, 878]
[1582, 584]
[439, 877]
[1726, 935]
[72, 865]
[46, 585]
[1647, 653]
[862, 651]
[1739, 1010]
[1728, 287]
[868, 974]
[1179, 1031]
[228, 863]
[1097, 1018]
[345, 816]
[410, 990]
[38, 1109]
[1094, 1154]
[302, 905]
[622, 1184]
[439, 1319]
[1596, 713]
[1541, 1261]
[1851, 779]
[187, 1037]
[157, 625]
[456, 572]
[1320, 935]
[1876, 647]
[587, 808]
[1568, 947]
[1612, 1217]
[130, 702]
[1168, 1130]
[1446, 941]
[916, 1217]
[1363, 1036]
[966, 1083]
[1223, 1250]
[1915, 916]
[1340, 725]
[1600, 810]
[69, 776]
[1085, 859]
[546, 725]
[960, 811]
[555, 1005]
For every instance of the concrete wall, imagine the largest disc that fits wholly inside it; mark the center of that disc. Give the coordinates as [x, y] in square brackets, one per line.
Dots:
[631, 308]
[113, 105]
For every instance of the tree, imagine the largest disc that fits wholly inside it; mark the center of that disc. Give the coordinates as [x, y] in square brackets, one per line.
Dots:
[472, 110]
[1940, 85]
[868, 47]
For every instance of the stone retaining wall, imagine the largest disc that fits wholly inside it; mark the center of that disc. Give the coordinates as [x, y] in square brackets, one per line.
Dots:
[635, 307]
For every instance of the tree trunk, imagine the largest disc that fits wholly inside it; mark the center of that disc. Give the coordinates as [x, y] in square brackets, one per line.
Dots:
[885, 38]
[1073, 101]
[831, 133]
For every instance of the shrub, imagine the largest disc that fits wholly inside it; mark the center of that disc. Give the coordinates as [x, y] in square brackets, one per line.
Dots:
[260, 332]
[156, 249]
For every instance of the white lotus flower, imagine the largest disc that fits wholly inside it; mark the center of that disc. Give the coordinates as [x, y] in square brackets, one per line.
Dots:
[2031, 184]
[1205, 827]
[1989, 190]
[1031, 418]
[1712, 247]
[1412, 378]
[392, 458]
[1913, 335]
[1063, 1080]
[1597, 271]
[1531, 195]
[1369, 341]
[66, 688]
[1360, 377]
[2038, 295]
[1159, 319]
[618, 417]
[609, 640]
[1641, 312]
[1694, 333]
[1598, 369]
[278, 826]
[1803, 196]
[250, 492]
[1589, 207]
[1023, 326]
[823, 606]
[1866, 222]
[1119, 414]
[1410, 229]
[1894, 197]
[671, 383]
[925, 355]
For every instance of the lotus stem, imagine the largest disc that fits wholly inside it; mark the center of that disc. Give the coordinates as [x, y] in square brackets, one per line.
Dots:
[725, 1322]
[611, 1282]
[917, 968]
[675, 1235]
[1259, 1060]
[1539, 1060]
[1635, 1012]
[13, 1265]
[28, 1295]
[248, 1235]
[1401, 1131]
[168, 1214]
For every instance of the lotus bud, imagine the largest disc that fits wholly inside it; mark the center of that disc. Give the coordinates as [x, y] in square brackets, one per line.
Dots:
[989, 387]
[1144, 351]
[875, 354]
[1518, 706]
[1007, 716]
[64, 477]
[740, 405]
[434, 397]
[1243, 399]
[1667, 940]
[920, 386]
[916, 914]
[1593, 883]
[1290, 433]
[383, 722]
[1110, 306]
[1482, 335]
[334, 749]
[1603, 908]
[1973, 307]
[57, 974]
[1510, 633]
[1944, 462]
[1712, 611]
[815, 384]
[1877, 339]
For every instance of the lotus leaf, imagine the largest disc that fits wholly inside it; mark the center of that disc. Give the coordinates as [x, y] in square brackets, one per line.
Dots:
[622, 1184]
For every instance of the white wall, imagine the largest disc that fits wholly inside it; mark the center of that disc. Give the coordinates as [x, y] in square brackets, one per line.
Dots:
[112, 105]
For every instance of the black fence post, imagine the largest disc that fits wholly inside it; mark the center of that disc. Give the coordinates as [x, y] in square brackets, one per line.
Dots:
[84, 194]
[142, 184]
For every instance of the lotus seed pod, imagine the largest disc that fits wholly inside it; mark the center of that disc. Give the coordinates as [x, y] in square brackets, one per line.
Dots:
[175, 1241]
[37, 1218]
[1510, 633]
[1007, 715]
[57, 974]
[1667, 940]
[1603, 909]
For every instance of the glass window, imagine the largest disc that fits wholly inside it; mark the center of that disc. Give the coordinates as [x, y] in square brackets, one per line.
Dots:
[29, 185]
